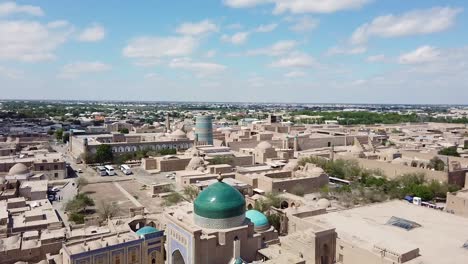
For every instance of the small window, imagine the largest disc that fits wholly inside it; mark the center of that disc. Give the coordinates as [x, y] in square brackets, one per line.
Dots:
[56, 175]
[41, 168]
[340, 258]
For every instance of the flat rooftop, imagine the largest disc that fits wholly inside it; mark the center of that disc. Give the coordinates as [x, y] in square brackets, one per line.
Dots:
[439, 238]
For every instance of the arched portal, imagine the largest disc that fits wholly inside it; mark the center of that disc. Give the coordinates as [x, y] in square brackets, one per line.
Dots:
[177, 258]
[284, 205]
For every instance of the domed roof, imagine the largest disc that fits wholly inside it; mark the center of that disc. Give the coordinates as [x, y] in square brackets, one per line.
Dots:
[264, 145]
[178, 134]
[18, 169]
[323, 203]
[95, 245]
[257, 218]
[219, 201]
[195, 163]
[146, 230]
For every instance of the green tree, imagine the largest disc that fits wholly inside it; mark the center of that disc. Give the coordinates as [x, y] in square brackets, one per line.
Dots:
[450, 151]
[66, 137]
[437, 164]
[59, 134]
[190, 193]
[172, 199]
[124, 130]
[104, 153]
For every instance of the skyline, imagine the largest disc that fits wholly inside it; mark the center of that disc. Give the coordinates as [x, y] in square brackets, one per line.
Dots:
[348, 52]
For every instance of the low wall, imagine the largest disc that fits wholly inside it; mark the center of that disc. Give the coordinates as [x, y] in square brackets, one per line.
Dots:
[394, 170]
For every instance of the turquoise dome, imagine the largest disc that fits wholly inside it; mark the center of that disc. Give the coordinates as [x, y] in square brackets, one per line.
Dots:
[146, 230]
[257, 218]
[219, 201]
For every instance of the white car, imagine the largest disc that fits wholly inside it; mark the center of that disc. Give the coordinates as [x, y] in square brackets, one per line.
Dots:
[55, 189]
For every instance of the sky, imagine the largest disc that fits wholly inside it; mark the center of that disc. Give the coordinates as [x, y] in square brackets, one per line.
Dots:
[302, 51]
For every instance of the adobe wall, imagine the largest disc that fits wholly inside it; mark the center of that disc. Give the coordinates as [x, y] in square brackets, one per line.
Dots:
[392, 171]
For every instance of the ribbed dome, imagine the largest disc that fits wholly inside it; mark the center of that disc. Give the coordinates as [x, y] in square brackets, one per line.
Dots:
[18, 169]
[257, 218]
[219, 201]
[264, 145]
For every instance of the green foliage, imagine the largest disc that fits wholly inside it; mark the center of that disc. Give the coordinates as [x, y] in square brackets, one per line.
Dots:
[66, 137]
[190, 192]
[124, 130]
[355, 118]
[274, 220]
[50, 132]
[104, 154]
[59, 134]
[343, 169]
[450, 151]
[272, 199]
[172, 199]
[77, 218]
[221, 160]
[167, 152]
[79, 203]
[437, 164]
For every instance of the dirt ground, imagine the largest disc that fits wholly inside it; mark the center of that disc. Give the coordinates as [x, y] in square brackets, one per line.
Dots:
[110, 193]
[135, 188]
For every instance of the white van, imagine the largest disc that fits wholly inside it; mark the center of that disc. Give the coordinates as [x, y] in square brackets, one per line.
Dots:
[101, 170]
[125, 169]
[110, 170]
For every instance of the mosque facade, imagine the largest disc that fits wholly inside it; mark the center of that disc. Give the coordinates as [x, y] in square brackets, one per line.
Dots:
[217, 229]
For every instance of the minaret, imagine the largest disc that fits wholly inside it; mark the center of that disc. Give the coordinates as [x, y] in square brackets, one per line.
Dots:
[295, 143]
[168, 122]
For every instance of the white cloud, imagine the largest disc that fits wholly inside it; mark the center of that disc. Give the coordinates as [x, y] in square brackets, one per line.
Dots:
[236, 39]
[244, 3]
[210, 53]
[420, 55]
[151, 49]
[201, 69]
[196, 29]
[416, 22]
[92, 34]
[10, 73]
[376, 58]
[346, 51]
[31, 41]
[301, 6]
[152, 76]
[294, 60]
[75, 69]
[58, 24]
[10, 8]
[295, 74]
[303, 24]
[266, 28]
[277, 49]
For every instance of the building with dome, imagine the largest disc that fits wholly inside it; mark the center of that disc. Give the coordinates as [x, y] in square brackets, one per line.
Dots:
[136, 240]
[216, 229]
[28, 165]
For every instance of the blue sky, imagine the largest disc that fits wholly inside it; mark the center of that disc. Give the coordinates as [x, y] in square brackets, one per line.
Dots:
[311, 51]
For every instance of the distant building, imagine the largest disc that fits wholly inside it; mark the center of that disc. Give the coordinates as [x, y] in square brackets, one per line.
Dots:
[204, 130]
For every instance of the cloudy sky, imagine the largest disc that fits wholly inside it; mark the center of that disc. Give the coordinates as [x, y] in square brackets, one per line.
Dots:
[311, 51]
